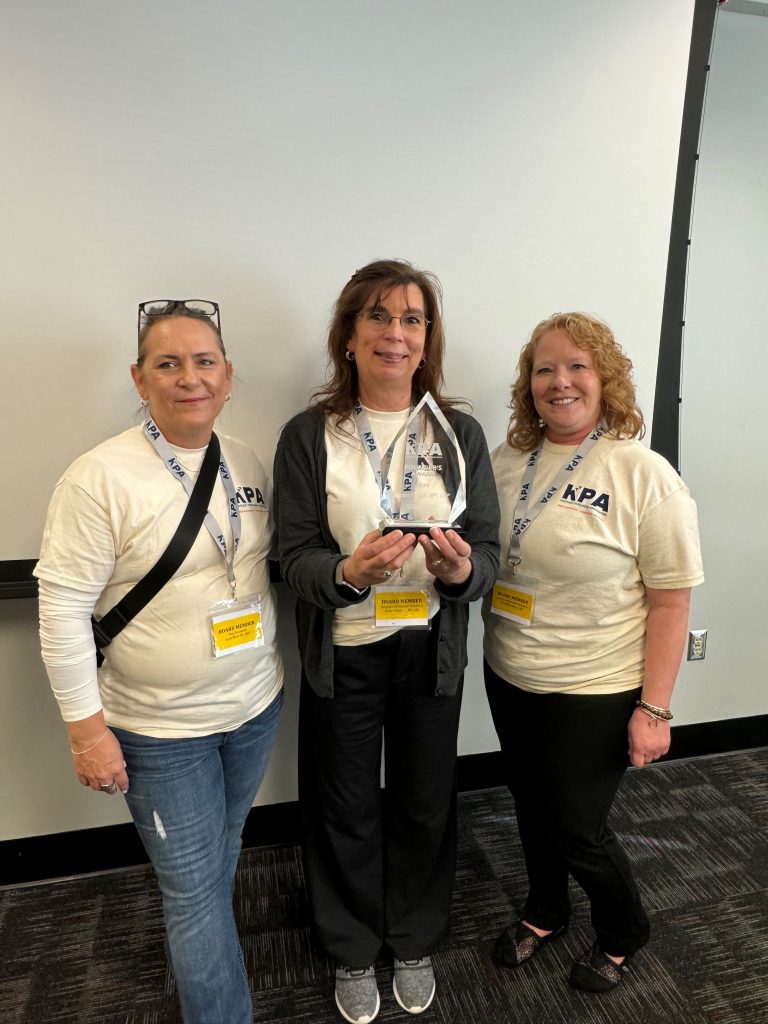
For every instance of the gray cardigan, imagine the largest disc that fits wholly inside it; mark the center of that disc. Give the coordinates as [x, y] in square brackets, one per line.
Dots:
[309, 554]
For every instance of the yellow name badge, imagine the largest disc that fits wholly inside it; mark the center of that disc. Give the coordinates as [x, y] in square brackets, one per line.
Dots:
[398, 608]
[515, 603]
[238, 628]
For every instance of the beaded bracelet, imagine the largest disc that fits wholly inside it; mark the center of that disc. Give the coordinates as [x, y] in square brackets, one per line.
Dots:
[663, 714]
[98, 741]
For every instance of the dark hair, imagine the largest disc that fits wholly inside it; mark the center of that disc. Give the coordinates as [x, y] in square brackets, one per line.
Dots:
[365, 287]
[617, 400]
[173, 310]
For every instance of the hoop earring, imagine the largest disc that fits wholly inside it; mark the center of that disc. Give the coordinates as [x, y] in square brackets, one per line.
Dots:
[349, 356]
[229, 396]
[144, 403]
[422, 364]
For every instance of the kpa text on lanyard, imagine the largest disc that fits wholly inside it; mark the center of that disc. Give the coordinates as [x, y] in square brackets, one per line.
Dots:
[154, 435]
[380, 465]
[521, 522]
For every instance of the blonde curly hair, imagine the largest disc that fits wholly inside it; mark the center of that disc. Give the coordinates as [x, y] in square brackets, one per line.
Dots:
[617, 401]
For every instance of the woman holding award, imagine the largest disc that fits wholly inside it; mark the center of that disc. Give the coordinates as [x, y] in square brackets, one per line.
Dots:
[388, 525]
[584, 630]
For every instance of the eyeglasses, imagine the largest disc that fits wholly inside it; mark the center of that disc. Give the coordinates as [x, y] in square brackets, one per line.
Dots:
[411, 323]
[156, 309]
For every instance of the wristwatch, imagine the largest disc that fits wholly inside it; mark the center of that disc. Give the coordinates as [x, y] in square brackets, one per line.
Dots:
[339, 580]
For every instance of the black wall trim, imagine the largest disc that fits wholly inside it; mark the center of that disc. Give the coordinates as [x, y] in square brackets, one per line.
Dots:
[16, 579]
[118, 846]
[665, 430]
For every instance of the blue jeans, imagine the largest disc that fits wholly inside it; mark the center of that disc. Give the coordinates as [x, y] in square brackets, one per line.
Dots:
[189, 799]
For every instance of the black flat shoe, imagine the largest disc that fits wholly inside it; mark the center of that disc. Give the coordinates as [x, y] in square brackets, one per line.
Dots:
[519, 943]
[596, 972]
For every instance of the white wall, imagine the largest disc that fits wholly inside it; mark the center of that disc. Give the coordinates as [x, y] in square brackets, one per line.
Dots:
[257, 153]
[724, 394]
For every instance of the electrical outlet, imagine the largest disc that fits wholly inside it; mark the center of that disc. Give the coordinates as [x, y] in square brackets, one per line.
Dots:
[697, 644]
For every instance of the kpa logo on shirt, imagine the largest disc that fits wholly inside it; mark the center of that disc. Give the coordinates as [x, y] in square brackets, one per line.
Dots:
[585, 499]
[250, 499]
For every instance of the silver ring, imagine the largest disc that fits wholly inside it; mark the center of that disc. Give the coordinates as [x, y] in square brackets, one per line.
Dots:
[110, 788]
[386, 573]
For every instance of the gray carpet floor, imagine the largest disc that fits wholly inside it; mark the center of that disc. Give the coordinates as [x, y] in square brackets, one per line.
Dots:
[90, 949]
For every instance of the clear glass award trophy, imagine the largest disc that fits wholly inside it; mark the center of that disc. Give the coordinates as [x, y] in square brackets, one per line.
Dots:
[432, 490]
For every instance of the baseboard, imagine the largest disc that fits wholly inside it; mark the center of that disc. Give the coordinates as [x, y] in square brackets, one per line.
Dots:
[117, 846]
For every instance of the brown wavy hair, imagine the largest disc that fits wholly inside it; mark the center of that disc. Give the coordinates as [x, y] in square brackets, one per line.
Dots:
[617, 401]
[365, 288]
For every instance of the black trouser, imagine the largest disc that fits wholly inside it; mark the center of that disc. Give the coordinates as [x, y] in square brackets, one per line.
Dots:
[380, 865]
[564, 757]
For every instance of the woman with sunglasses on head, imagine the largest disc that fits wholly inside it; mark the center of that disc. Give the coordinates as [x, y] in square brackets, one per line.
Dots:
[181, 715]
[584, 631]
[382, 623]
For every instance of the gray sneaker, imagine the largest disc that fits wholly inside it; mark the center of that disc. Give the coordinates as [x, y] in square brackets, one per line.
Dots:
[357, 996]
[414, 984]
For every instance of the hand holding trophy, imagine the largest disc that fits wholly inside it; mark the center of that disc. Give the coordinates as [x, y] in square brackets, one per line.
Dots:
[432, 493]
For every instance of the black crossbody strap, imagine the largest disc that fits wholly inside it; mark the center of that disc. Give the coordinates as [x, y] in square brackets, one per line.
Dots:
[107, 627]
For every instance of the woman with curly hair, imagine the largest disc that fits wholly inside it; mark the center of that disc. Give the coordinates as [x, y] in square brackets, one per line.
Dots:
[584, 630]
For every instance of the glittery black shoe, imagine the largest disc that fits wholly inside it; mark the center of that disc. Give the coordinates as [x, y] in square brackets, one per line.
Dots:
[519, 943]
[596, 972]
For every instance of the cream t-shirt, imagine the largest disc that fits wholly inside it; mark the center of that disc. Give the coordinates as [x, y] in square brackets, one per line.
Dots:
[354, 509]
[623, 520]
[112, 515]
